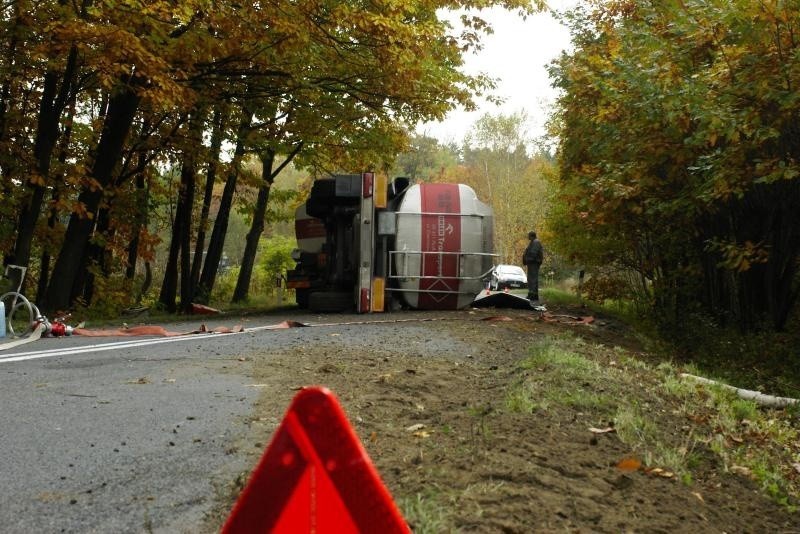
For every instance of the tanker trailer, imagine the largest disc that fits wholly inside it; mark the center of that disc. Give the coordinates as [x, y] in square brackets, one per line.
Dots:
[368, 245]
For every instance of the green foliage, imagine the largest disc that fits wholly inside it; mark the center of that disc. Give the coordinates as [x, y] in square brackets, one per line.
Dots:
[677, 161]
[112, 295]
[235, 237]
[425, 160]
[272, 260]
[275, 258]
[521, 400]
[496, 150]
[224, 285]
[765, 361]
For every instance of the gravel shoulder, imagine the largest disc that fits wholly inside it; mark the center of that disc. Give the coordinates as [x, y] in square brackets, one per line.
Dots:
[470, 463]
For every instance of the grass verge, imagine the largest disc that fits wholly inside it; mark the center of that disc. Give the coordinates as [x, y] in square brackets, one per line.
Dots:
[672, 424]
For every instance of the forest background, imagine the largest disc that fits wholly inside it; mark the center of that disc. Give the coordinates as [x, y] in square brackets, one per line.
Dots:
[153, 153]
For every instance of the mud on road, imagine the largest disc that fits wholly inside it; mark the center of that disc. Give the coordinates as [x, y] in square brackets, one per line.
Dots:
[428, 397]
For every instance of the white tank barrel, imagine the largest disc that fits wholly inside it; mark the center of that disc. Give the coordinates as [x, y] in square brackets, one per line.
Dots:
[443, 246]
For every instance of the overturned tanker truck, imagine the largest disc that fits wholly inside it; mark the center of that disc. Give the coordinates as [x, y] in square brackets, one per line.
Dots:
[369, 245]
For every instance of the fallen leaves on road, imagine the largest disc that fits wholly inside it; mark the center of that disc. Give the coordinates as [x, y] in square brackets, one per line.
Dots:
[633, 464]
[629, 464]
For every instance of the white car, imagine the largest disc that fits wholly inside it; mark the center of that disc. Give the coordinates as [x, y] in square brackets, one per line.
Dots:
[507, 277]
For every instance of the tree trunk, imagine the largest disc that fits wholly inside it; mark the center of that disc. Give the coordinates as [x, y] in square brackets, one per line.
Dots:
[217, 241]
[220, 118]
[53, 102]
[119, 118]
[781, 284]
[142, 212]
[180, 242]
[133, 248]
[148, 280]
[187, 288]
[169, 286]
[44, 262]
[94, 260]
[47, 246]
[188, 184]
[240, 294]
[13, 42]
[10, 74]
[10, 65]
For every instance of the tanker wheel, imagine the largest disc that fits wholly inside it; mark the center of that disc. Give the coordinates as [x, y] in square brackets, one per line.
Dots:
[330, 301]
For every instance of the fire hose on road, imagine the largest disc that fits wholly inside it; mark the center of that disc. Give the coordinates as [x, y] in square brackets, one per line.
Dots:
[164, 336]
[24, 320]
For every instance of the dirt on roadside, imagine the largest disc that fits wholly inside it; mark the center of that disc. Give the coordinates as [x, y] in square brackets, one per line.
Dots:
[437, 427]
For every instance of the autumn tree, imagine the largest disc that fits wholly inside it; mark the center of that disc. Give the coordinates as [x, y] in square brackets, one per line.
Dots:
[512, 180]
[678, 154]
[49, 96]
[98, 97]
[426, 159]
[351, 114]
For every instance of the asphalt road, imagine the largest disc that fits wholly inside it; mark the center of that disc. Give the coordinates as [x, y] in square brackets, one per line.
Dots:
[124, 438]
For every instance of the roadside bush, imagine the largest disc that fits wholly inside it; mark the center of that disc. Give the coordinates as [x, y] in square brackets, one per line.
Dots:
[273, 258]
[111, 295]
[224, 285]
[766, 361]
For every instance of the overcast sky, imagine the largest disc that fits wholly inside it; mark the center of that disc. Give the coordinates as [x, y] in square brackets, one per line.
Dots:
[515, 55]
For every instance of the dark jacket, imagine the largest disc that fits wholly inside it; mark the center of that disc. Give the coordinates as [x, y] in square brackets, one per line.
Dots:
[534, 253]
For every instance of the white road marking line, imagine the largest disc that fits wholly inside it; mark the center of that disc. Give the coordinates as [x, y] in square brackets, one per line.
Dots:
[50, 353]
[114, 345]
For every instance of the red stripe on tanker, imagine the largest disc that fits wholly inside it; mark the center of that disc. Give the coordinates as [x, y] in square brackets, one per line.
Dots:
[445, 218]
[309, 228]
[440, 233]
[310, 231]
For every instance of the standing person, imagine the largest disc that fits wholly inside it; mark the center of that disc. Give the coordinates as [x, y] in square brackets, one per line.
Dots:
[532, 258]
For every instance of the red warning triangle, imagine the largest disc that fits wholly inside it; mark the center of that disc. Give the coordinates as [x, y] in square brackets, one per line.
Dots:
[315, 477]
